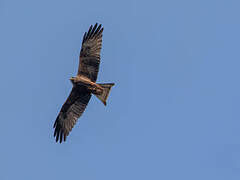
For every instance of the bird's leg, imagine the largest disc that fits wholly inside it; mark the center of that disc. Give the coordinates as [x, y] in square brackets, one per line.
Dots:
[91, 86]
[95, 90]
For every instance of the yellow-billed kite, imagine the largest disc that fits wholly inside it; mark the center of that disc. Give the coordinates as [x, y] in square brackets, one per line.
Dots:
[83, 84]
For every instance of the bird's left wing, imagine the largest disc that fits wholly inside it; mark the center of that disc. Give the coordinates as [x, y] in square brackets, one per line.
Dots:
[70, 112]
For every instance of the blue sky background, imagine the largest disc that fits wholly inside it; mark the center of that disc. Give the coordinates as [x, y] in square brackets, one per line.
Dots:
[173, 114]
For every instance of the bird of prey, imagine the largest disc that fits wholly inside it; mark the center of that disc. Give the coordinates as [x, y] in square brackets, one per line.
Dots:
[84, 84]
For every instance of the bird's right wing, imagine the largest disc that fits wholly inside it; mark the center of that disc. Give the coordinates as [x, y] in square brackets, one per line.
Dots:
[70, 112]
[89, 59]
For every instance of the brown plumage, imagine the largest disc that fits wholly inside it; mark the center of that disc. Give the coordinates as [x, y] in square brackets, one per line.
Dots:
[83, 84]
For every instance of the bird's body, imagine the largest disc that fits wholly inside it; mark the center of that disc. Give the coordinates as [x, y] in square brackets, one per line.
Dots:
[84, 84]
[91, 86]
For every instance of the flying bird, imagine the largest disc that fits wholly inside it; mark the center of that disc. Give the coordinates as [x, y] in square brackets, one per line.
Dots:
[84, 84]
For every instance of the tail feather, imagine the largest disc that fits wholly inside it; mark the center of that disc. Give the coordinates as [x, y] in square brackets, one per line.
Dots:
[106, 89]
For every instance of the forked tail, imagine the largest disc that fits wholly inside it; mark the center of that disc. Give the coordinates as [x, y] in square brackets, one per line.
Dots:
[106, 89]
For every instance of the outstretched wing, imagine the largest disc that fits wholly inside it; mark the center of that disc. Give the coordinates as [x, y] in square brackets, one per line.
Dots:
[89, 59]
[70, 112]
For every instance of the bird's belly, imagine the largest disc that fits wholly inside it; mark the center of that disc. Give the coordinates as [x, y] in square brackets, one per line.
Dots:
[91, 86]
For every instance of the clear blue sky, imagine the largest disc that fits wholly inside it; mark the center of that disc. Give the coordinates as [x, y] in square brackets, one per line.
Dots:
[173, 114]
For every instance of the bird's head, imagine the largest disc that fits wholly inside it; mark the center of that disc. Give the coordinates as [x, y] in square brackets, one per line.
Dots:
[72, 79]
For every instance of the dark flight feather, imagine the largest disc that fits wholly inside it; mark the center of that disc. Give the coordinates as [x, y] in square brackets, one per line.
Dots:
[89, 59]
[70, 112]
